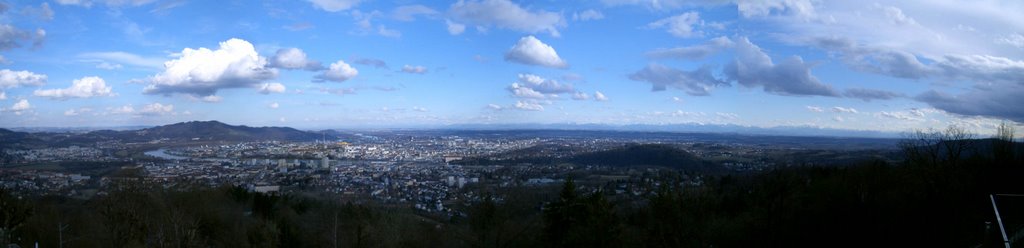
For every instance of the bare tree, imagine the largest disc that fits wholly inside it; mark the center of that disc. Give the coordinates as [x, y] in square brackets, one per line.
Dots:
[1003, 142]
[934, 147]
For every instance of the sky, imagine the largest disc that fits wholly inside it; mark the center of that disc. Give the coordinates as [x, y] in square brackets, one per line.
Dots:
[889, 66]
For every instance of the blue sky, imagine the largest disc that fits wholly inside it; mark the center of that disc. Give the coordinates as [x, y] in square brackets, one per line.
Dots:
[886, 65]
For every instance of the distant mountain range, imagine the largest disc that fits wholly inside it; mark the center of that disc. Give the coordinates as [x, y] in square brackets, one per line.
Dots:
[184, 131]
[689, 127]
[217, 131]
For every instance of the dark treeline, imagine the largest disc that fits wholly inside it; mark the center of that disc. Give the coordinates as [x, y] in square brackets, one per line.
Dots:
[938, 198]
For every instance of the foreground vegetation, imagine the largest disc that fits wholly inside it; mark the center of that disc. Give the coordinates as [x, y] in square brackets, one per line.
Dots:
[938, 198]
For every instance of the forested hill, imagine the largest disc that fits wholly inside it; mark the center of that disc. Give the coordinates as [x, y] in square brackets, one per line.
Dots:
[646, 155]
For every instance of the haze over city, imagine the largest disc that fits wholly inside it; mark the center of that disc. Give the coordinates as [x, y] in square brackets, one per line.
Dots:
[889, 66]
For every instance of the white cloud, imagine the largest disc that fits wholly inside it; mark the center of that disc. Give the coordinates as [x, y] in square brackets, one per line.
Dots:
[386, 32]
[494, 106]
[124, 58]
[126, 109]
[334, 5]
[3, 95]
[268, 88]
[752, 68]
[455, 28]
[757, 8]
[11, 79]
[898, 115]
[896, 16]
[529, 50]
[598, 96]
[580, 96]
[108, 66]
[529, 105]
[414, 69]
[844, 110]
[506, 14]
[521, 91]
[294, 58]
[693, 52]
[419, 109]
[274, 105]
[730, 116]
[680, 25]
[409, 12]
[838, 118]
[698, 82]
[1015, 40]
[109, 3]
[815, 109]
[75, 112]
[80, 88]
[21, 105]
[338, 72]
[543, 85]
[202, 72]
[211, 99]
[156, 109]
[587, 15]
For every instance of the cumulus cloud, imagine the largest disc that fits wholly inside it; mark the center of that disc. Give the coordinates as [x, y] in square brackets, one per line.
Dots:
[680, 25]
[543, 85]
[529, 105]
[692, 52]
[598, 96]
[494, 106]
[11, 79]
[334, 5]
[274, 105]
[505, 14]
[581, 96]
[338, 72]
[871, 94]
[21, 105]
[454, 28]
[531, 51]
[815, 109]
[753, 68]
[419, 109]
[294, 58]
[80, 88]
[156, 109]
[587, 15]
[698, 82]
[3, 95]
[414, 69]
[844, 110]
[202, 72]
[268, 88]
